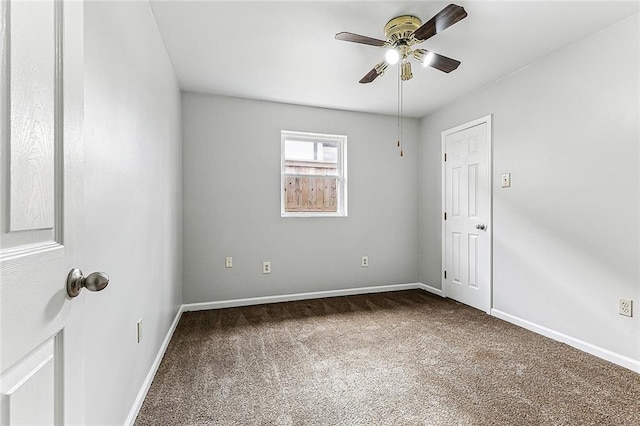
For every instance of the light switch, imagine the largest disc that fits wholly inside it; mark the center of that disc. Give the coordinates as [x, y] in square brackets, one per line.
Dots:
[506, 180]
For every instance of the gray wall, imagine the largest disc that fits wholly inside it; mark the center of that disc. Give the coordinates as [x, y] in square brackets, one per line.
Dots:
[567, 233]
[232, 203]
[133, 206]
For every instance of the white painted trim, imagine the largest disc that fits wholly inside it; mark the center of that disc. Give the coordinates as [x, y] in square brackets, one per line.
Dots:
[443, 204]
[467, 125]
[298, 296]
[443, 136]
[341, 140]
[621, 360]
[431, 289]
[142, 394]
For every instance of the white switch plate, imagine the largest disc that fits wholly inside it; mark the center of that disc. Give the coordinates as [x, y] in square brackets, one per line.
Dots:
[625, 307]
[139, 329]
[506, 180]
[266, 267]
[365, 261]
[228, 262]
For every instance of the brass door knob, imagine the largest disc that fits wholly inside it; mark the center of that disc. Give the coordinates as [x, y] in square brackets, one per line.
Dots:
[95, 282]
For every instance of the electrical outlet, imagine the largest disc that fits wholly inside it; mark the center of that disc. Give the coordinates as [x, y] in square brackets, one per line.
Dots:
[625, 307]
[228, 262]
[365, 261]
[506, 180]
[266, 267]
[139, 329]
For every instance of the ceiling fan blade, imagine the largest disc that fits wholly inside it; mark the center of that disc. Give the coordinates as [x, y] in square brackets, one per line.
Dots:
[370, 76]
[357, 38]
[438, 61]
[443, 20]
[379, 69]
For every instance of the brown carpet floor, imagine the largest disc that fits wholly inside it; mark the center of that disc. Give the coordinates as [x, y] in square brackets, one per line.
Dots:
[401, 358]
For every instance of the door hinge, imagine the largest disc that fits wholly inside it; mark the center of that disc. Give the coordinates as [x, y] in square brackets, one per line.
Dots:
[445, 275]
[445, 156]
[445, 215]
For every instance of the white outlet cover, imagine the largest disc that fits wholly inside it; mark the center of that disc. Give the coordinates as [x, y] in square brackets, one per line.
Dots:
[139, 329]
[625, 307]
[506, 180]
[266, 267]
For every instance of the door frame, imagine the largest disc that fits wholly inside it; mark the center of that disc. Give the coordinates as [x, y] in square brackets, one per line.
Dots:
[488, 120]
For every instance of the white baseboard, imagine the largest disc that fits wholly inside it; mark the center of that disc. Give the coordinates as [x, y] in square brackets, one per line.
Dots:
[431, 289]
[142, 394]
[621, 360]
[299, 296]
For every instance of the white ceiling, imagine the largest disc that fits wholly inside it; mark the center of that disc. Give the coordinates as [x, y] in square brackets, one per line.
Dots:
[285, 51]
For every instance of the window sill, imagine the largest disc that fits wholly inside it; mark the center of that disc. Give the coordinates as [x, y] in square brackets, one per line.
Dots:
[311, 214]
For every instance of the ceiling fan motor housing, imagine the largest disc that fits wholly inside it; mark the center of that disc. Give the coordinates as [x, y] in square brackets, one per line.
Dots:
[400, 29]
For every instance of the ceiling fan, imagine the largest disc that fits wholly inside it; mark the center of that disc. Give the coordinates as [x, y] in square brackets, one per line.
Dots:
[403, 32]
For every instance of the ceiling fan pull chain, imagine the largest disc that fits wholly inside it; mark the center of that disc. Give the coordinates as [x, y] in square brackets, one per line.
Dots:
[398, 116]
[401, 114]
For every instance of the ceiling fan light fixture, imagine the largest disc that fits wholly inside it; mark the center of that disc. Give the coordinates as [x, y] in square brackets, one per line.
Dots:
[392, 56]
[427, 59]
[423, 56]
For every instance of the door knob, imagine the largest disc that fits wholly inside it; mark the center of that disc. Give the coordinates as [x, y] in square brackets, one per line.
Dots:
[95, 282]
[481, 226]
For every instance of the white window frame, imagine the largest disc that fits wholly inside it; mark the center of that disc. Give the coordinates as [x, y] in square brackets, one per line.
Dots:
[341, 187]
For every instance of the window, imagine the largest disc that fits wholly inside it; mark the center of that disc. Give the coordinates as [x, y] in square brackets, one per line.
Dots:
[314, 174]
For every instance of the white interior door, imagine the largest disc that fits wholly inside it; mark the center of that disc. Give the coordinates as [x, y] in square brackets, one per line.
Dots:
[467, 214]
[41, 353]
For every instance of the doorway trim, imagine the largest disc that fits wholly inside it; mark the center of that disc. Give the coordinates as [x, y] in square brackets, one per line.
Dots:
[488, 120]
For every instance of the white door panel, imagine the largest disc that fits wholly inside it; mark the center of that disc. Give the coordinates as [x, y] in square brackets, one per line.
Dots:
[32, 60]
[29, 388]
[467, 205]
[41, 108]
